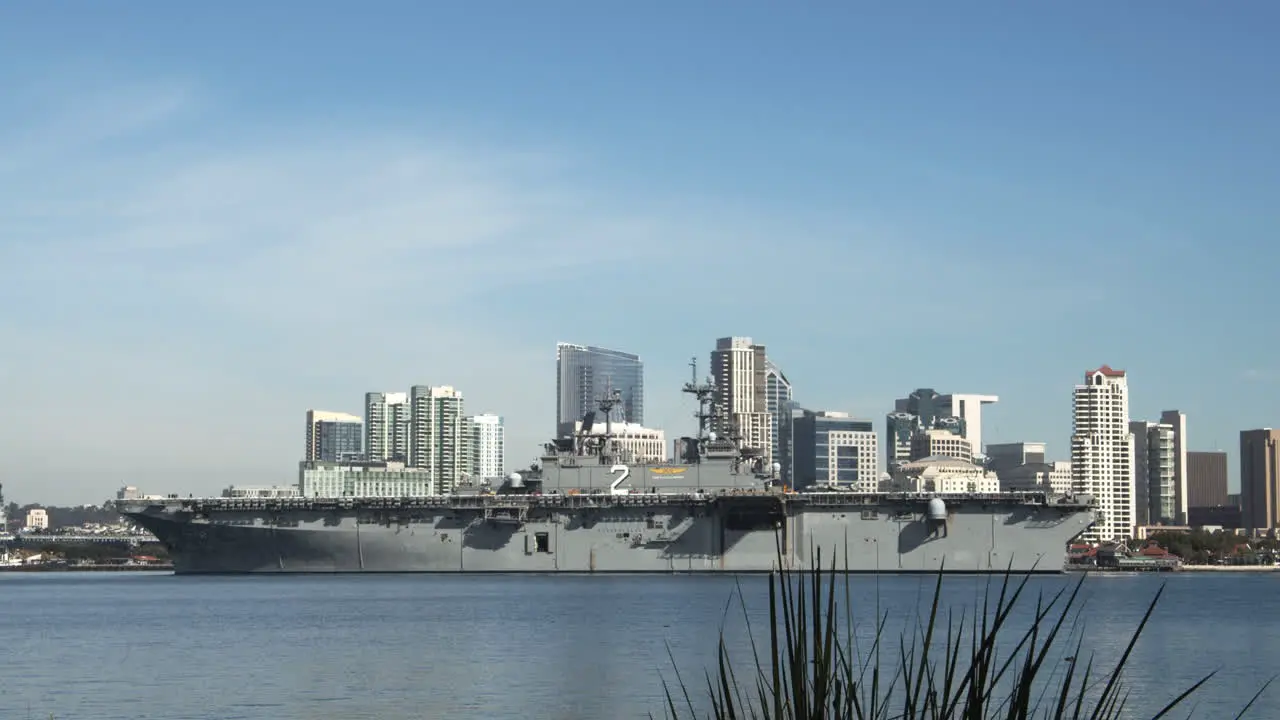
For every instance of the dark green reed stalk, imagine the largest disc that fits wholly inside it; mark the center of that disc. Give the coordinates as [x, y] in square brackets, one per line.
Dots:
[816, 672]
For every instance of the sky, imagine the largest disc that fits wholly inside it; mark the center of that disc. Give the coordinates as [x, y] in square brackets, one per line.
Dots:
[214, 217]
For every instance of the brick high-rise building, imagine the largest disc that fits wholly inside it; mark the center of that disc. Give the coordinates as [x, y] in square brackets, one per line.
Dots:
[1260, 478]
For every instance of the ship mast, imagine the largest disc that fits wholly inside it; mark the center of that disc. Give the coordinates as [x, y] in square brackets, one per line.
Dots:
[703, 392]
[612, 398]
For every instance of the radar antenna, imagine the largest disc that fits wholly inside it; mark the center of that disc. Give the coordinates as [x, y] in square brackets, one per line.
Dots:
[608, 401]
[703, 392]
[611, 399]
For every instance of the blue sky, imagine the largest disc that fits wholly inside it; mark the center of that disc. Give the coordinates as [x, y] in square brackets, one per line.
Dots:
[215, 217]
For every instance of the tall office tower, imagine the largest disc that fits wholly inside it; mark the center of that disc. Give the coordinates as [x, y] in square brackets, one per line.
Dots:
[585, 374]
[777, 392]
[1102, 452]
[333, 436]
[1206, 480]
[784, 422]
[1154, 461]
[488, 440]
[833, 449]
[930, 408]
[386, 426]
[899, 430]
[1260, 478]
[440, 439]
[1178, 421]
[741, 406]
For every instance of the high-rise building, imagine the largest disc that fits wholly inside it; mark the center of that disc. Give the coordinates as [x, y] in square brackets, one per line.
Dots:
[1154, 462]
[835, 450]
[488, 439]
[900, 430]
[1102, 452]
[1178, 421]
[784, 424]
[386, 427]
[741, 405]
[334, 436]
[631, 443]
[777, 391]
[931, 409]
[440, 438]
[1260, 478]
[585, 374]
[1206, 480]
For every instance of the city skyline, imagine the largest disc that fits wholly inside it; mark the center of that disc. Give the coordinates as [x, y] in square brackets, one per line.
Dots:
[256, 245]
[1055, 451]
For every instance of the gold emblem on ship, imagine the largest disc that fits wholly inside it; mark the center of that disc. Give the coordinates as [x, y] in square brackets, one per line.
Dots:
[667, 470]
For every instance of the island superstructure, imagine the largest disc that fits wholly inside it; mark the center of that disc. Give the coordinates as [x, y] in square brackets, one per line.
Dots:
[589, 506]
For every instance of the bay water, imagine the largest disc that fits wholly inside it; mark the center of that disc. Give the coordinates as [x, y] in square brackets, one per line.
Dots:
[104, 646]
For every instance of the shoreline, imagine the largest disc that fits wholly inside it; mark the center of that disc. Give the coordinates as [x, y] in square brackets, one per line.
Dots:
[1183, 568]
[86, 568]
[1230, 568]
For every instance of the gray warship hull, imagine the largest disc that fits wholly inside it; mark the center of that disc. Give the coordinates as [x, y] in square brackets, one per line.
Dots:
[725, 532]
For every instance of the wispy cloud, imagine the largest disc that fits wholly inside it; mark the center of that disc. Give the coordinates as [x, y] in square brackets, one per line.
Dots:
[186, 286]
[181, 289]
[1255, 375]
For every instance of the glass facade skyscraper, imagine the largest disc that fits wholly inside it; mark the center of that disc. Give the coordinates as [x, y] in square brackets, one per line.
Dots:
[341, 441]
[777, 391]
[585, 373]
[334, 436]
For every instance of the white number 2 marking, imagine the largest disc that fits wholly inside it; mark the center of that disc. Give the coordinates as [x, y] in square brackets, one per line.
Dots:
[624, 473]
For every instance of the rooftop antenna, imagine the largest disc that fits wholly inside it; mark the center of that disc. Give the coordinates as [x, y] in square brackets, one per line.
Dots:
[703, 392]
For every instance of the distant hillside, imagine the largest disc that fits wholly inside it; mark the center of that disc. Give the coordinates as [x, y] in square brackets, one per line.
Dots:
[64, 516]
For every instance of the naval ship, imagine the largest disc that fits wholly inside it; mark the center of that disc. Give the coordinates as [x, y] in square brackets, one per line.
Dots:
[588, 507]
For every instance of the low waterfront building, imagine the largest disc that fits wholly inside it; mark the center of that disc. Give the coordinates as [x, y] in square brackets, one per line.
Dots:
[1054, 477]
[129, 492]
[1007, 456]
[318, 479]
[1225, 516]
[942, 474]
[37, 519]
[941, 441]
[274, 491]
[632, 442]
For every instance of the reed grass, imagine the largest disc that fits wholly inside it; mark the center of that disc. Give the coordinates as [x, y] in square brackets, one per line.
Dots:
[813, 669]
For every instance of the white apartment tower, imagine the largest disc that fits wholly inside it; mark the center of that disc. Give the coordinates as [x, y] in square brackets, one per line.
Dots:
[440, 439]
[386, 426]
[1154, 460]
[1178, 421]
[487, 445]
[1102, 462]
[738, 367]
